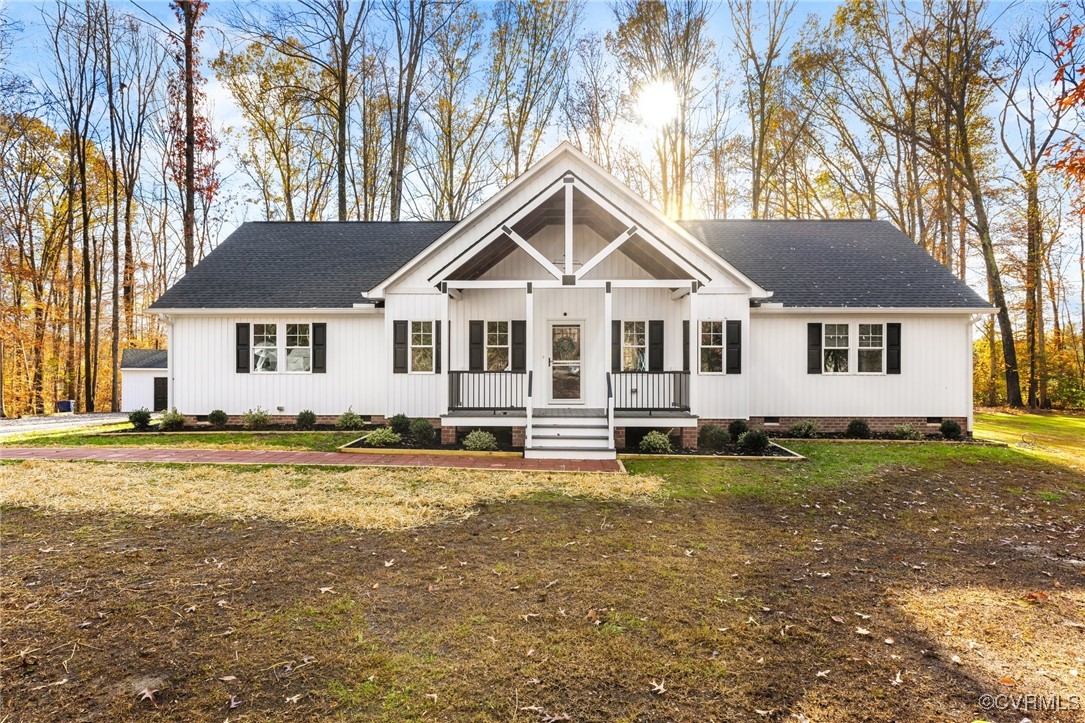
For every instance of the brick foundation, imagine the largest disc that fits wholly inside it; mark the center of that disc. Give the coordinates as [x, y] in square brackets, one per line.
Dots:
[518, 434]
[448, 435]
[689, 437]
[619, 438]
[834, 425]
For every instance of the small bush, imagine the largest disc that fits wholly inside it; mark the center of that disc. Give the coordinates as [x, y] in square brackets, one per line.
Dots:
[754, 443]
[423, 433]
[400, 424]
[858, 429]
[950, 429]
[479, 441]
[737, 428]
[255, 419]
[804, 428]
[383, 437]
[306, 419]
[140, 419]
[217, 419]
[906, 431]
[713, 437]
[655, 443]
[349, 420]
[171, 421]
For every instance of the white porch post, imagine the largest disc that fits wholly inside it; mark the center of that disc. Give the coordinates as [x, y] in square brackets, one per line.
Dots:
[568, 226]
[608, 315]
[694, 345]
[446, 347]
[529, 351]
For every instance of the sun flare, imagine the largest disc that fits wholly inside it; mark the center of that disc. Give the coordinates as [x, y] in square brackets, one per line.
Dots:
[657, 103]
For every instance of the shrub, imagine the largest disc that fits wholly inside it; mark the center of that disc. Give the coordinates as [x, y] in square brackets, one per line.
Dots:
[400, 424]
[349, 420]
[906, 431]
[383, 437]
[423, 433]
[217, 418]
[737, 428]
[713, 437]
[140, 419]
[255, 419]
[171, 421]
[755, 442]
[858, 429]
[655, 443]
[804, 428]
[479, 441]
[950, 429]
[306, 419]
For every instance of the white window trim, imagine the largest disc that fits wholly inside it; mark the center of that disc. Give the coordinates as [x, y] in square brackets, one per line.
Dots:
[858, 348]
[252, 348]
[486, 346]
[625, 346]
[411, 346]
[824, 348]
[722, 347]
[285, 347]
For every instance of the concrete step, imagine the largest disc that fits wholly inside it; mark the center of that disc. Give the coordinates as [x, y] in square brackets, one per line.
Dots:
[568, 453]
[538, 442]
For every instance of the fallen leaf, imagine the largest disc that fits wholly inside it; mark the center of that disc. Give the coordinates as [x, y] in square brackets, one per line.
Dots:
[862, 631]
[1007, 681]
[294, 698]
[227, 678]
[234, 702]
[327, 590]
[658, 688]
[389, 563]
[956, 659]
[148, 694]
[837, 619]
[889, 641]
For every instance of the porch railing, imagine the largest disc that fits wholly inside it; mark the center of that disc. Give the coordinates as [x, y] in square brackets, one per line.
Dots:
[487, 391]
[651, 391]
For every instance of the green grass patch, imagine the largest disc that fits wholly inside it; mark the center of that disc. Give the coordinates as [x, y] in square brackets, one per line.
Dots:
[1056, 437]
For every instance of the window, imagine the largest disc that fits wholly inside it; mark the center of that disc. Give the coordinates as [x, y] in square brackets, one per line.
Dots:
[634, 346]
[421, 346]
[871, 348]
[299, 352]
[265, 348]
[836, 349]
[497, 346]
[711, 347]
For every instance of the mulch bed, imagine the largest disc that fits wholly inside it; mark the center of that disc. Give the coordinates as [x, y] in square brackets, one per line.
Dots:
[204, 428]
[685, 610]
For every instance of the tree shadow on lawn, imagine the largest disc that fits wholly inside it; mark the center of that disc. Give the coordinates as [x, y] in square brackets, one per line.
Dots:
[735, 608]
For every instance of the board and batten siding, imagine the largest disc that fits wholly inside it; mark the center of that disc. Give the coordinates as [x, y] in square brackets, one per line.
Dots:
[413, 394]
[935, 378]
[721, 395]
[137, 388]
[205, 376]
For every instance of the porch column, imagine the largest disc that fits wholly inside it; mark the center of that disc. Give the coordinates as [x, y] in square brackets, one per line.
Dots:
[608, 315]
[446, 347]
[529, 351]
[694, 346]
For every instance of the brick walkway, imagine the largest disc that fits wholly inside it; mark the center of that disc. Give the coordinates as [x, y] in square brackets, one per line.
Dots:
[253, 456]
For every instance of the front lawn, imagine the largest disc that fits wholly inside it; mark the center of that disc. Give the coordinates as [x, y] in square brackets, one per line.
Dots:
[873, 582]
[282, 441]
[1058, 437]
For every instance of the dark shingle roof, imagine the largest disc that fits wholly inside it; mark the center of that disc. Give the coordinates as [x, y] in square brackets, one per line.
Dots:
[310, 265]
[302, 265]
[836, 263]
[144, 359]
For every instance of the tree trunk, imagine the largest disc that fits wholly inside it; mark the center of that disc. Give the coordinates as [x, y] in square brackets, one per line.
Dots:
[189, 14]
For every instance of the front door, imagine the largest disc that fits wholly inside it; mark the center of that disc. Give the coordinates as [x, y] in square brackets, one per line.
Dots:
[565, 360]
[161, 393]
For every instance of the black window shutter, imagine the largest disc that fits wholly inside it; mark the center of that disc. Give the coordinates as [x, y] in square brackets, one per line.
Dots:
[399, 347]
[242, 348]
[519, 346]
[320, 348]
[655, 345]
[476, 350]
[615, 345]
[892, 348]
[813, 348]
[685, 345]
[734, 346]
[437, 347]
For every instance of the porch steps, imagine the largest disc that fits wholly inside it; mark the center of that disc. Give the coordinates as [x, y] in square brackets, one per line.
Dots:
[553, 437]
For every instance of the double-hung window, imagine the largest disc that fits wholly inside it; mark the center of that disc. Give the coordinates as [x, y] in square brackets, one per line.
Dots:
[711, 347]
[299, 348]
[871, 349]
[835, 349]
[497, 346]
[265, 347]
[421, 352]
[634, 346]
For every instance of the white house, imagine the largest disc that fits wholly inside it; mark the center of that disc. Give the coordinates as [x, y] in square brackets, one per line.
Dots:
[570, 310]
[144, 379]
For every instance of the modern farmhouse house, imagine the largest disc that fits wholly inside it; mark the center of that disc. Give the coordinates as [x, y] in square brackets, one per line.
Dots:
[569, 310]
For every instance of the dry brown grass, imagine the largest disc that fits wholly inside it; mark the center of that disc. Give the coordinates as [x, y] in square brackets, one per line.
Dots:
[369, 498]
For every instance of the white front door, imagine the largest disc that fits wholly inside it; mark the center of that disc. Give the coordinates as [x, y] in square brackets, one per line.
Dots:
[565, 362]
